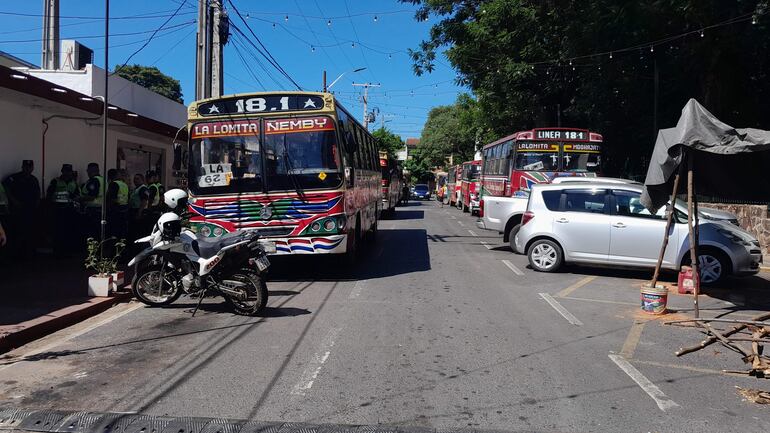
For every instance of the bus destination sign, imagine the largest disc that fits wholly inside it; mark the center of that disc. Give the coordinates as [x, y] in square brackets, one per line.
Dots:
[561, 134]
[261, 104]
[528, 146]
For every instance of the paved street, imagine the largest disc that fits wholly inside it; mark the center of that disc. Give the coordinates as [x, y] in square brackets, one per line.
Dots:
[440, 325]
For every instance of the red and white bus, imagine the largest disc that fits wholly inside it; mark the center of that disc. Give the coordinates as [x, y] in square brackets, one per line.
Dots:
[470, 186]
[295, 166]
[453, 184]
[390, 183]
[511, 165]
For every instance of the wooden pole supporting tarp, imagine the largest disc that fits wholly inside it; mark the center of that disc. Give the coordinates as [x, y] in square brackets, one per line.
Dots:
[691, 230]
[669, 220]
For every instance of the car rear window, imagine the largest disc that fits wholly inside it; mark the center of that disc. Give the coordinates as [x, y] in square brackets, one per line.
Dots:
[551, 199]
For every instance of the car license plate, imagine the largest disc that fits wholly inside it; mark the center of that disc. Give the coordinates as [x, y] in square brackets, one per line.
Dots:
[262, 263]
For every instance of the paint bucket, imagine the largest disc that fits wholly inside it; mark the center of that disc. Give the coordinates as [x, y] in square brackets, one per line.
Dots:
[654, 299]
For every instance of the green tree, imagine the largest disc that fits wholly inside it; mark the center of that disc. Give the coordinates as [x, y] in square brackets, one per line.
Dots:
[531, 64]
[454, 130]
[419, 168]
[153, 79]
[388, 141]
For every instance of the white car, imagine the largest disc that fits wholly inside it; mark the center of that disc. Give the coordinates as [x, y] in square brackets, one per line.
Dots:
[605, 224]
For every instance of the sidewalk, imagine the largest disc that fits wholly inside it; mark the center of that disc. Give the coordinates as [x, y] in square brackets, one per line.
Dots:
[44, 295]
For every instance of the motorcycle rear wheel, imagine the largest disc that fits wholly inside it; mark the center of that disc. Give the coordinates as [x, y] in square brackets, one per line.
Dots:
[256, 290]
[145, 288]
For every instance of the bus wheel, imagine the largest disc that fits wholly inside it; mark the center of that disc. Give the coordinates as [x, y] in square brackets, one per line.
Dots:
[354, 240]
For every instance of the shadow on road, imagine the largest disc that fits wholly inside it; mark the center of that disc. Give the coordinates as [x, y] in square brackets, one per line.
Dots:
[396, 252]
[406, 215]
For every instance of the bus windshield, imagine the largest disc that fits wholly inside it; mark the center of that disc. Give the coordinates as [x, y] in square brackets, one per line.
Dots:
[582, 162]
[285, 161]
[225, 164]
[537, 161]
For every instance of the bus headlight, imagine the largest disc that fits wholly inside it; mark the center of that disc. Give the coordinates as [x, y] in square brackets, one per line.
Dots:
[316, 226]
[329, 224]
[206, 231]
[218, 231]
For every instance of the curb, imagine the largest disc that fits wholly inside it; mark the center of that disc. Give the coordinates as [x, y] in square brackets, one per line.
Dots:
[39, 327]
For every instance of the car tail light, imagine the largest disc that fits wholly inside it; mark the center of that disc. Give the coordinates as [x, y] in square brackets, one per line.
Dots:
[481, 208]
[527, 217]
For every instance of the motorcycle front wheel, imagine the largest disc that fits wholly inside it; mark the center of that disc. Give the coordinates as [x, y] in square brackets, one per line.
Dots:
[256, 292]
[147, 289]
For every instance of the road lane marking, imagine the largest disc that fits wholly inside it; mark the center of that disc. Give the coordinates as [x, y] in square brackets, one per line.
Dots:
[316, 364]
[687, 367]
[575, 286]
[461, 223]
[473, 233]
[560, 309]
[603, 301]
[513, 267]
[47, 347]
[664, 403]
[357, 288]
[632, 340]
[489, 247]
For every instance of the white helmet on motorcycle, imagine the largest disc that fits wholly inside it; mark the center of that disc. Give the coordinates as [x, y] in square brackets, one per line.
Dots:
[169, 225]
[175, 197]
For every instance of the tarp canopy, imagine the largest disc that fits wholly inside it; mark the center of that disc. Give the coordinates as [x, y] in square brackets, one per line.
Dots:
[728, 163]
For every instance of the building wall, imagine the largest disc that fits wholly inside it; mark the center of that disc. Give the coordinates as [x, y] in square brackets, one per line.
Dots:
[753, 218]
[70, 141]
[123, 93]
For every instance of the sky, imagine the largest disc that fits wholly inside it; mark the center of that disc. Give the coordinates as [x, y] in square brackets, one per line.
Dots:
[304, 37]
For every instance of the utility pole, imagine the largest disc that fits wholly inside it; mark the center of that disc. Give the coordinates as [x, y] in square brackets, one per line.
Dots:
[50, 52]
[366, 87]
[219, 33]
[202, 57]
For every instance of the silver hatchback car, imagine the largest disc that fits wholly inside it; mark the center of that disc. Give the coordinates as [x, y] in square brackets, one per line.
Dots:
[606, 224]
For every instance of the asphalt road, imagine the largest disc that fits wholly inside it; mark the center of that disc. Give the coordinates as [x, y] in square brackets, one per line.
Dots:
[439, 325]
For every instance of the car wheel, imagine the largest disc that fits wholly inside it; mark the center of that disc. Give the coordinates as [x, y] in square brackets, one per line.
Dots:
[713, 266]
[512, 236]
[545, 255]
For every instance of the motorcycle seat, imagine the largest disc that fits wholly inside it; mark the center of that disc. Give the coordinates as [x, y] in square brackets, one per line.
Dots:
[209, 248]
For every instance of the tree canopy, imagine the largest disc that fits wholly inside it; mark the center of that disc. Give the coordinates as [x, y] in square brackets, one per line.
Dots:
[624, 69]
[388, 141]
[153, 79]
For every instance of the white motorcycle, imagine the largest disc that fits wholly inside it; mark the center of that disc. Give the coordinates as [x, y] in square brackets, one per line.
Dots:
[178, 261]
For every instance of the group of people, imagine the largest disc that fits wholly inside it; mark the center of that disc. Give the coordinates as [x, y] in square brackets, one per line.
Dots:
[72, 212]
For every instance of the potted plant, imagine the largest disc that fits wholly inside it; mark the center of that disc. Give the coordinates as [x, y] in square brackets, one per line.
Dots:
[100, 284]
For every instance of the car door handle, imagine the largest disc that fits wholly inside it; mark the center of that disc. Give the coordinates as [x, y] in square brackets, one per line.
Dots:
[619, 225]
[562, 220]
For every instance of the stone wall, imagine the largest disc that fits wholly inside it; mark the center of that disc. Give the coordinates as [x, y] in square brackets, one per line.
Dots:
[753, 218]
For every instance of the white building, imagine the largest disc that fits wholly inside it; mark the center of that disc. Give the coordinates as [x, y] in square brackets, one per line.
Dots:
[54, 118]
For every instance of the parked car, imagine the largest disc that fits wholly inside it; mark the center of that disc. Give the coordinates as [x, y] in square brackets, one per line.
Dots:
[708, 212]
[421, 192]
[606, 224]
[502, 214]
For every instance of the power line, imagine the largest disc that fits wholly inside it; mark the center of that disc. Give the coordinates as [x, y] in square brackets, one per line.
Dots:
[355, 33]
[334, 36]
[326, 18]
[256, 52]
[102, 35]
[248, 68]
[266, 53]
[242, 40]
[100, 18]
[106, 67]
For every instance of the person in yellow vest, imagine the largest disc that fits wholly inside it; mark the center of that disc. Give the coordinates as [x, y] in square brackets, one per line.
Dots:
[62, 196]
[91, 198]
[156, 196]
[117, 205]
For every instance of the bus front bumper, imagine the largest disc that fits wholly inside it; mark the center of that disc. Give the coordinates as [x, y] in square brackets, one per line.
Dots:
[331, 244]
